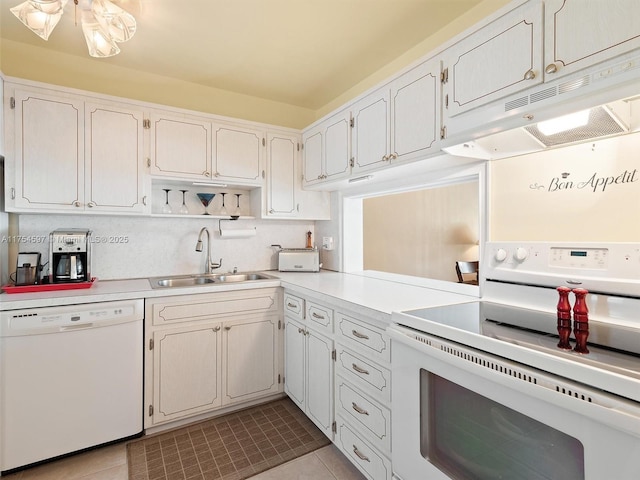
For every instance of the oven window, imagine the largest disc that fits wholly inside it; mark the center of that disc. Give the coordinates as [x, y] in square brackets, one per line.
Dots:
[469, 436]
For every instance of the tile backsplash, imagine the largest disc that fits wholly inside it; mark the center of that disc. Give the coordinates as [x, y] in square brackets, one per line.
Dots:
[134, 247]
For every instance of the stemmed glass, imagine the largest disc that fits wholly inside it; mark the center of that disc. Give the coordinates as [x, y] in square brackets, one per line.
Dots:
[223, 209]
[166, 208]
[236, 213]
[183, 209]
[205, 199]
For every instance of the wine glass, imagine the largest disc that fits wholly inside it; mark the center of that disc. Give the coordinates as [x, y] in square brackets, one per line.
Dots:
[183, 209]
[236, 213]
[205, 199]
[223, 209]
[166, 208]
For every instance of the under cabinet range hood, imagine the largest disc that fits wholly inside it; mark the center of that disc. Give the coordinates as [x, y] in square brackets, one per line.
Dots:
[603, 121]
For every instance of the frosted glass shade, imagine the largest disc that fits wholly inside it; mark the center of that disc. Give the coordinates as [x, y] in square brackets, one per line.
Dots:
[120, 25]
[99, 43]
[40, 16]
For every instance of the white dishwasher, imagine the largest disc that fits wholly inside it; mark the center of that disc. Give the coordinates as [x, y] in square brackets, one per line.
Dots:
[70, 379]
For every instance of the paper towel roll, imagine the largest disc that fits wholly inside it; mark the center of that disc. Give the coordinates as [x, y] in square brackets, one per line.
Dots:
[238, 233]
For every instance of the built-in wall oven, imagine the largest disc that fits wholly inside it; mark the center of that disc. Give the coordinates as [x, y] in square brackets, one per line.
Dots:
[482, 391]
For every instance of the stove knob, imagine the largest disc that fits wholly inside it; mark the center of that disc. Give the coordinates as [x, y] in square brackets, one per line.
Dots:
[521, 254]
[501, 255]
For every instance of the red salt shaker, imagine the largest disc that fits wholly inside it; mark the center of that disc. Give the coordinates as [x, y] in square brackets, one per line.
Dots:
[580, 320]
[564, 317]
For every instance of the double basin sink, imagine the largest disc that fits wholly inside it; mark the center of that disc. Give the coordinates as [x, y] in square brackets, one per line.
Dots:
[206, 279]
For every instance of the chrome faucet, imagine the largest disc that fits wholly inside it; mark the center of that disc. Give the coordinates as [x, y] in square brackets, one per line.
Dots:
[210, 265]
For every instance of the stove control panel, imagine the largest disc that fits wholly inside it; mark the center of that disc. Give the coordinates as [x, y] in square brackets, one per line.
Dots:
[607, 267]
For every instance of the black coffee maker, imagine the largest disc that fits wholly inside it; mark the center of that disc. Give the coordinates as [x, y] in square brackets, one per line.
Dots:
[70, 256]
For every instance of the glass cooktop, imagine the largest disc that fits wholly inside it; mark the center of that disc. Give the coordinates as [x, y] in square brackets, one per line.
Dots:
[611, 347]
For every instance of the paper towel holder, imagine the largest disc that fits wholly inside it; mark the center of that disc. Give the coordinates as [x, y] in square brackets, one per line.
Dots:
[236, 233]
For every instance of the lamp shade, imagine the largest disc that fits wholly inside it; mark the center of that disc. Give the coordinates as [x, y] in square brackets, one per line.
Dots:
[120, 25]
[99, 43]
[40, 16]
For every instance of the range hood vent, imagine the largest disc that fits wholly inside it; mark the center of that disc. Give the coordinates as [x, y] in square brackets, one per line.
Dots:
[602, 123]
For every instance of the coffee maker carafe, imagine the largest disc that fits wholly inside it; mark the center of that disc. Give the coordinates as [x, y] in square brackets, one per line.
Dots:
[70, 255]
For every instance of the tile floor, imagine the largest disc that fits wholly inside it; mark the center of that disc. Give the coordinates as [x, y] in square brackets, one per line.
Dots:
[110, 463]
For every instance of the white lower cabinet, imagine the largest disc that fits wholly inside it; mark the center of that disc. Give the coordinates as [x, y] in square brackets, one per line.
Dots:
[250, 358]
[308, 373]
[337, 370]
[208, 351]
[186, 371]
[369, 461]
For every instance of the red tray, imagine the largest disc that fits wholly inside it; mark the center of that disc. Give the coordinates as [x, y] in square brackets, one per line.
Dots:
[48, 287]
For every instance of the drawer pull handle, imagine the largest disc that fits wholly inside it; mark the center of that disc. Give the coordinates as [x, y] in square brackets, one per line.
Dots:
[357, 334]
[291, 305]
[315, 315]
[358, 409]
[359, 370]
[360, 455]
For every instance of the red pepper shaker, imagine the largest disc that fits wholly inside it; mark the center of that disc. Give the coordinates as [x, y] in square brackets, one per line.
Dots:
[564, 318]
[580, 320]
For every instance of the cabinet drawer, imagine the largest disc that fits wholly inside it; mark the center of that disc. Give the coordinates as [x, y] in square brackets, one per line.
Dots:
[190, 308]
[319, 316]
[367, 415]
[371, 463]
[293, 306]
[373, 341]
[365, 374]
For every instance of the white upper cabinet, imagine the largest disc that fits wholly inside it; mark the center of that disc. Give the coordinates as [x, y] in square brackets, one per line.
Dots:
[184, 146]
[282, 174]
[370, 140]
[237, 154]
[580, 33]
[114, 170]
[326, 149]
[502, 58]
[180, 145]
[66, 158]
[284, 196]
[49, 152]
[415, 112]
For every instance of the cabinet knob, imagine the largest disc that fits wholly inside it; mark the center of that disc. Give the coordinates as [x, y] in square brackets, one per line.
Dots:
[91, 204]
[393, 156]
[272, 211]
[144, 200]
[385, 158]
[217, 329]
[551, 68]
[77, 204]
[206, 174]
[530, 75]
[227, 328]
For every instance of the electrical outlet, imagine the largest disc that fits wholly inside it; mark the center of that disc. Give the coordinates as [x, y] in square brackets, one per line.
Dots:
[327, 243]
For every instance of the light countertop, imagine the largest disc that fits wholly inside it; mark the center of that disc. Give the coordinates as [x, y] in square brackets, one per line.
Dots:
[371, 296]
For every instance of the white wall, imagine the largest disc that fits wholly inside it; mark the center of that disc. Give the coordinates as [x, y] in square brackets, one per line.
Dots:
[165, 246]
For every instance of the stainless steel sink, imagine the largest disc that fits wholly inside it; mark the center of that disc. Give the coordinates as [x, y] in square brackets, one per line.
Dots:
[205, 279]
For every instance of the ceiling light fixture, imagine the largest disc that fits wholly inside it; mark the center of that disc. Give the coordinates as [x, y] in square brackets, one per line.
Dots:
[104, 24]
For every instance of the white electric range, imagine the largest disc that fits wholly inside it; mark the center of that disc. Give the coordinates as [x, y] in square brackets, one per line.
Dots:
[482, 391]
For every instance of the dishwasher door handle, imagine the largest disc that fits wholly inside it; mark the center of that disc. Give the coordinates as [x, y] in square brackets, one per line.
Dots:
[80, 326]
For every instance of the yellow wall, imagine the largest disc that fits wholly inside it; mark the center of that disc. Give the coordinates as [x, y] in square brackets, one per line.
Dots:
[38, 64]
[34, 63]
[588, 192]
[428, 46]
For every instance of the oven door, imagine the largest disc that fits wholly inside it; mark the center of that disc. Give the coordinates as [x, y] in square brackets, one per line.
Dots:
[463, 414]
